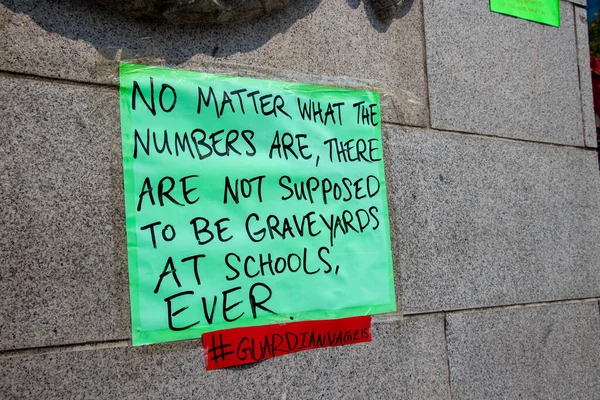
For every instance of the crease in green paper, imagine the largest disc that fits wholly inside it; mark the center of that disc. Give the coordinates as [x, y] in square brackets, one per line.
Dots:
[542, 11]
[224, 228]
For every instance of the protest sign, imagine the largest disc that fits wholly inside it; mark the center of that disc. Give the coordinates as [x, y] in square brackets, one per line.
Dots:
[250, 202]
[543, 11]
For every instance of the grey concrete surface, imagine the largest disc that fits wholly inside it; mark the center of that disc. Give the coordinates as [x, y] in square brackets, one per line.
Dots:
[318, 41]
[483, 222]
[64, 274]
[539, 352]
[494, 74]
[405, 360]
[585, 78]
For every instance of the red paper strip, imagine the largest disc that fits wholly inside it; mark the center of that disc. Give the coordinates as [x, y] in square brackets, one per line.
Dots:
[230, 347]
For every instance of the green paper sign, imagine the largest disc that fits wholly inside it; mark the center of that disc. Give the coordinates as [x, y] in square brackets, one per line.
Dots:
[250, 202]
[543, 11]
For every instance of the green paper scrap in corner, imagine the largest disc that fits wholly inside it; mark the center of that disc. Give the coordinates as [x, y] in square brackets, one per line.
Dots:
[543, 11]
[250, 202]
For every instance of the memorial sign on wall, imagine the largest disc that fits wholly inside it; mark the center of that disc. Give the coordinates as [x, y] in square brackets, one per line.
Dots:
[543, 11]
[250, 202]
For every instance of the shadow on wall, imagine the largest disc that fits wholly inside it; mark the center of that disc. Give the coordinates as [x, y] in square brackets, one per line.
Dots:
[119, 37]
[382, 23]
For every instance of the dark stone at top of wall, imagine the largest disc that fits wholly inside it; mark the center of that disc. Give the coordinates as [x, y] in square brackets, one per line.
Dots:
[205, 12]
[333, 42]
[209, 12]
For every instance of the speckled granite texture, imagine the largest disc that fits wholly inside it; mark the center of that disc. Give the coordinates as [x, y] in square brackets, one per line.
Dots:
[63, 244]
[523, 83]
[408, 362]
[585, 78]
[482, 222]
[493, 190]
[535, 352]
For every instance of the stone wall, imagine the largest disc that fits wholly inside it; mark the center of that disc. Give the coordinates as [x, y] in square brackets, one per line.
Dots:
[494, 196]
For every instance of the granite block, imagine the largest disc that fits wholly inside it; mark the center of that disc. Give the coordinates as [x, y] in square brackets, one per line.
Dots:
[328, 42]
[64, 274]
[483, 222]
[540, 352]
[406, 359]
[498, 75]
[585, 78]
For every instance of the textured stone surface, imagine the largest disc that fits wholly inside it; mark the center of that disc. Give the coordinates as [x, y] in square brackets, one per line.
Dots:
[64, 274]
[542, 352]
[405, 360]
[585, 77]
[484, 222]
[494, 74]
[332, 42]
